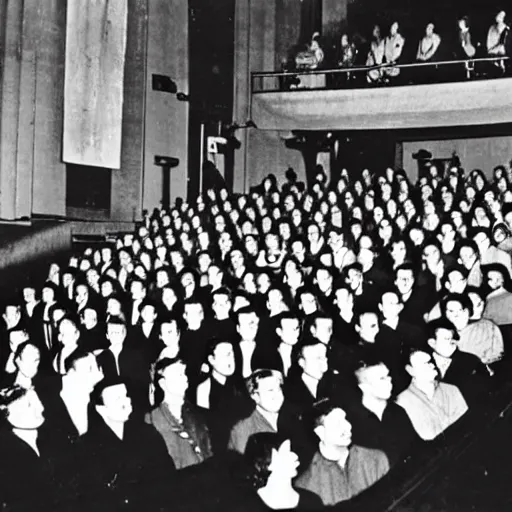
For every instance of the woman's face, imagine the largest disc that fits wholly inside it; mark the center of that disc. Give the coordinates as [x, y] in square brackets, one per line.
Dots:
[266, 224]
[342, 185]
[392, 208]
[357, 213]
[378, 214]
[479, 182]
[356, 230]
[349, 199]
[251, 246]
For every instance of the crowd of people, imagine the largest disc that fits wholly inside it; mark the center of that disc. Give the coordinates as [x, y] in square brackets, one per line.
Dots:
[307, 341]
[382, 53]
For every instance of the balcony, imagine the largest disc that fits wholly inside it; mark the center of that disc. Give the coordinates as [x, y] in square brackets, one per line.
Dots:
[340, 99]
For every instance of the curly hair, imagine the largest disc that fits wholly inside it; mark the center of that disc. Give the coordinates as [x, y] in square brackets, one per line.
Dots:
[258, 457]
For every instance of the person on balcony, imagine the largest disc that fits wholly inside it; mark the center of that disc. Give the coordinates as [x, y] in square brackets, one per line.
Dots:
[428, 45]
[375, 56]
[347, 54]
[428, 50]
[497, 42]
[465, 48]
[393, 48]
[309, 60]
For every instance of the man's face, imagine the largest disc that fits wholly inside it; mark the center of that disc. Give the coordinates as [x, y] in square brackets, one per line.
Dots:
[237, 259]
[495, 280]
[117, 405]
[275, 300]
[193, 314]
[269, 395]
[29, 295]
[376, 382]
[148, 314]
[314, 361]
[116, 334]
[467, 257]
[89, 318]
[16, 338]
[12, 315]
[404, 281]
[368, 327]
[298, 250]
[81, 294]
[354, 278]
[106, 289]
[137, 290]
[174, 380]
[390, 306]
[223, 359]
[344, 300]
[221, 305]
[335, 429]
[456, 282]
[431, 255]
[214, 276]
[162, 279]
[308, 303]
[263, 283]
[28, 361]
[322, 330]
[247, 326]
[444, 343]
[324, 280]
[457, 315]
[106, 254]
[26, 413]
[68, 332]
[422, 368]
[88, 373]
[430, 29]
[335, 240]
[170, 334]
[313, 234]
[289, 331]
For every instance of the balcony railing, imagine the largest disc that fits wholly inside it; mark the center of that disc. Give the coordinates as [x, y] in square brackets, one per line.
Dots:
[356, 77]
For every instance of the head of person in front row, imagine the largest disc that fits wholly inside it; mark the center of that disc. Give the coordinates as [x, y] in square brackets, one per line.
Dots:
[23, 412]
[271, 467]
[265, 387]
[113, 404]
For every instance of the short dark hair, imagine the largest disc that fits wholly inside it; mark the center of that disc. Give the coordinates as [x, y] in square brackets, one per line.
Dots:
[74, 357]
[461, 298]
[97, 394]
[322, 409]
[441, 323]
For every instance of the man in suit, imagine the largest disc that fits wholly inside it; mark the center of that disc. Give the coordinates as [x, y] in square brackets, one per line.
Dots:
[414, 298]
[301, 387]
[121, 360]
[26, 471]
[265, 387]
[376, 420]
[120, 460]
[461, 369]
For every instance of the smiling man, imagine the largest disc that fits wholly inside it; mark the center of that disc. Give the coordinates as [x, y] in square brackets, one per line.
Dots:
[340, 470]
